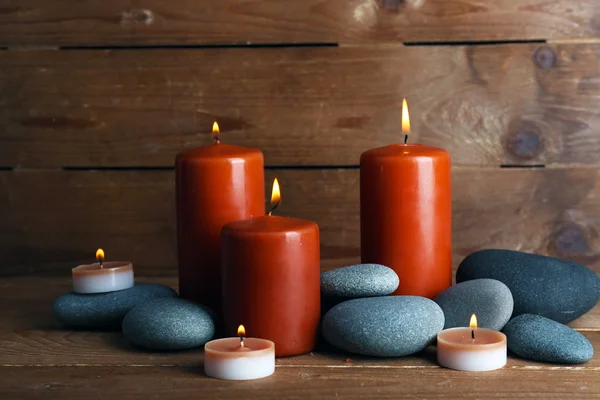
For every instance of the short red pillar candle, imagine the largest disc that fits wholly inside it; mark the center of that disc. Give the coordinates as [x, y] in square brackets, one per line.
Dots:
[216, 184]
[271, 280]
[406, 214]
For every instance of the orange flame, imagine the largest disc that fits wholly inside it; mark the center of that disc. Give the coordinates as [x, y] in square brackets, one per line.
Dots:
[275, 193]
[405, 118]
[473, 322]
[215, 128]
[100, 255]
[241, 331]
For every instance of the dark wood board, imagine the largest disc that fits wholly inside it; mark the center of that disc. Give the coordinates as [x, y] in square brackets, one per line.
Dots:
[153, 22]
[74, 383]
[63, 216]
[519, 104]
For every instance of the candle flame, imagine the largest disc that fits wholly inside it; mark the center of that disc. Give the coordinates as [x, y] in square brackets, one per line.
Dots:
[100, 255]
[405, 118]
[241, 331]
[275, 196]
[473, 322]
[215, 132]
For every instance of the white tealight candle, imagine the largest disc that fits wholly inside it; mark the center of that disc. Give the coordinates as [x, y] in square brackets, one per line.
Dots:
[471, 349]
[240, 358]
[102, 277]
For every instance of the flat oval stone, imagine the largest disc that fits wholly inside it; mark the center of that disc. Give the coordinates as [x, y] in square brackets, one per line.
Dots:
[391, 326]
[105, 310]
[541, 339]
[557, 289]
[489, 299]
[362, 280]
[169, 324]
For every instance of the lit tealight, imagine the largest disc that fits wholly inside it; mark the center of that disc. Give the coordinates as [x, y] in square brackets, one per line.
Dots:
[102, 277]
[472, 348]
[240, 358]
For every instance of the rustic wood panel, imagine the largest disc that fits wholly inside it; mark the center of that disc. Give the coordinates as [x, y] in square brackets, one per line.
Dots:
[63, 216]
[75, 383]
[488, 105]
[29, 336]
[112, 22]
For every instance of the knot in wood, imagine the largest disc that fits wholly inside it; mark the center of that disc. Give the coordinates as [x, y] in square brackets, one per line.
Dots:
[544, 57]
[571, 241]
[390, 5]
[524, 143]
[137, 15]
[595, 23]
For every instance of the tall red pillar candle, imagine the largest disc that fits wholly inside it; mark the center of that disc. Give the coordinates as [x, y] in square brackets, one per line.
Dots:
[271, 280]
[216, 184]
[406, 214]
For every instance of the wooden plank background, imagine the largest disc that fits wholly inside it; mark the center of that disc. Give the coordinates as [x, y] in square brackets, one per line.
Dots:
[517, 104]
[113, 22]
[97, 98]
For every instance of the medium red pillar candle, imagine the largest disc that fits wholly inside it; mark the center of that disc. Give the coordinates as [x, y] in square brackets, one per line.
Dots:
[406, 214]
[271, 280]
[216, 184]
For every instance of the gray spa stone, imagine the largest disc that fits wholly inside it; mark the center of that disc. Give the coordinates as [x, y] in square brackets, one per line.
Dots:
[389, 326]
[541, 339]
[105, 310]
[489, 299]
[557, 289]
[169, 324]
[362, 280]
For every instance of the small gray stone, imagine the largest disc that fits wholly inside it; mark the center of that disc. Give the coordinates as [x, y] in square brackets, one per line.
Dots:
[362, 280]
[390, 326]
[105, 310]
[557, 289]
[169, 324]
[489, 299]
[541, 339]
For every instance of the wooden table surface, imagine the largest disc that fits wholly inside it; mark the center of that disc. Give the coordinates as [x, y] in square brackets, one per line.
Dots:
[41, 359]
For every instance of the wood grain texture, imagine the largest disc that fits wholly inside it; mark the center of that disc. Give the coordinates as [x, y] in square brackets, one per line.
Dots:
[112, 22]
[488, 105]
[70, 383]
[63, 216]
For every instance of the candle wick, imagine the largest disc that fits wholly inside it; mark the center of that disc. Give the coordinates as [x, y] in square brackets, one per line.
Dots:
[100, 261]
[241, 341]
[405, 139]
[473, 334]
[274, 208]
[216, 139]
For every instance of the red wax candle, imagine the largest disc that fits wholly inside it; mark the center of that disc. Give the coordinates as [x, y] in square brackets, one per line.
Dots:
[406, 214]
[216, 184]
[271, 281]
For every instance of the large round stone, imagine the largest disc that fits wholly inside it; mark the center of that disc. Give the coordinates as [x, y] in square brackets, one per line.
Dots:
[362, 280]
[169, 324]
[558, 289]
[390, 326]
[105, 310]
[489, 299]
[541, 339]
